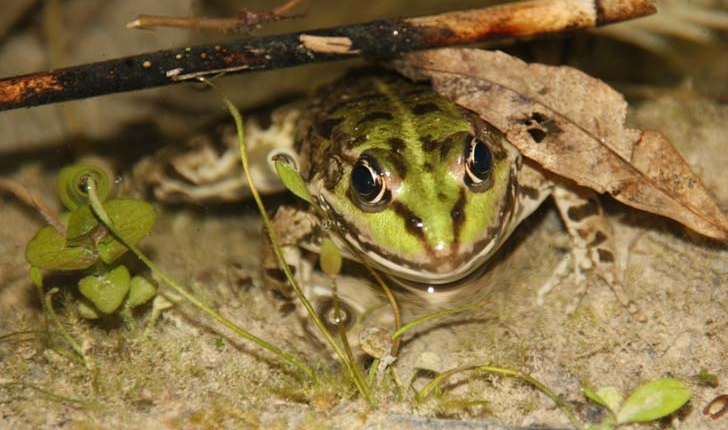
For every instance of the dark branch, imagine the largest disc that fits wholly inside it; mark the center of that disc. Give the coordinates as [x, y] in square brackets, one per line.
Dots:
[373, 40]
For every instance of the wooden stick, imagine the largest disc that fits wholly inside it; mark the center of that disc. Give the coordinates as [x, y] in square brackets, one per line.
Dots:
[373, 40]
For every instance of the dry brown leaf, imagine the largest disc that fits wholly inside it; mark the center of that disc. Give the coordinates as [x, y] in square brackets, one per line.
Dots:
[572, 125]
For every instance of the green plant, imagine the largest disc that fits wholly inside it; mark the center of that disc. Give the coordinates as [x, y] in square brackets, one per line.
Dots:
[648, 402]
[79, 241]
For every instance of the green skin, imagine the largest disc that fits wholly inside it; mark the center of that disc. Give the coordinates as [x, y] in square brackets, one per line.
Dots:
[433, 227]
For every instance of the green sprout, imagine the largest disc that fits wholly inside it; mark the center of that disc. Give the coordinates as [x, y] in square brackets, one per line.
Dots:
[648, 402]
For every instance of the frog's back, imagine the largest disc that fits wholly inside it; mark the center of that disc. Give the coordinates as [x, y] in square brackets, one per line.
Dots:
[375, 111]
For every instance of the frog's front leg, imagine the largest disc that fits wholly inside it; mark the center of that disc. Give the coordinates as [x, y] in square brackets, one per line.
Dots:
[592, 244]
[355, 306]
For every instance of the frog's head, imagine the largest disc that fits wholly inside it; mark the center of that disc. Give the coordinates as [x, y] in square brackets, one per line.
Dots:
[420, 187]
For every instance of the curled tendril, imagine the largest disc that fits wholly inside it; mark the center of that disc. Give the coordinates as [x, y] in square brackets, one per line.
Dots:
[72, 184]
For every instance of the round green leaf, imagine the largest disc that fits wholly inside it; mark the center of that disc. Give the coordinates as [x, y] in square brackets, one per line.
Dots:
[292, 179]
[141, 291]
[36, 275]
[612, 398]
[47, 250]
[132, 219]
[87, 310]
[653, 400]
[107, 291]
[81, 224]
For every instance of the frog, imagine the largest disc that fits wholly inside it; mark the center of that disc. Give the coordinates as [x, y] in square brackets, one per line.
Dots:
[423, 191]
[412, 185]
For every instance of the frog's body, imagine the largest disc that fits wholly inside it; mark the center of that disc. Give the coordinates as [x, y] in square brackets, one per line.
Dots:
[423, 190]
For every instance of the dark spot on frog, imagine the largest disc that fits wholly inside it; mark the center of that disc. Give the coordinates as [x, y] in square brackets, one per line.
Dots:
[396, 144]
[333, 172]
[420, 89]
[412, 222]
[398, 163]
[428, 168]
[370, 97]
[325, 128]
[458, 213]
[583, 233]
[605, 256]
[170, 171]
[599, 238]
[287, 308]
[278, 275]
[578, 213]
[429, 144]
[530, 192]
[425, 108]
[375, 116]
[356, 141]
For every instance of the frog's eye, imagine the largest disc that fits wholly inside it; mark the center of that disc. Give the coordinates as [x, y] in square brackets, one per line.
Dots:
[346, 316]
[478, 165]
[367, 183]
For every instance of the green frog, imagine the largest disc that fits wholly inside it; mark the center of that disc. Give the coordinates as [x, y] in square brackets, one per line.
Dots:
[423, 190]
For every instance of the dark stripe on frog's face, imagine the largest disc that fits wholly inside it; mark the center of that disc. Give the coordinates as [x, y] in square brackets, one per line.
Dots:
[435, 228]
[457, 213]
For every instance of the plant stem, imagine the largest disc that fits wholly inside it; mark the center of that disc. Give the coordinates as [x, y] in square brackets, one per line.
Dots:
[48, 300]
[434, 315]
[361, 386]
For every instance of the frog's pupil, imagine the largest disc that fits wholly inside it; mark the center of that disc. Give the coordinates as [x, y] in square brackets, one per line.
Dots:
[481, 159]
[365, 180]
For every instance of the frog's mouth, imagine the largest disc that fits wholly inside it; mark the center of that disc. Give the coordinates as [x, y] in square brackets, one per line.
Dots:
[451, 263]
[439, 269]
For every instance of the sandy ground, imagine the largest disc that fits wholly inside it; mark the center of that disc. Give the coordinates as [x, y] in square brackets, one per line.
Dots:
[190, 372]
